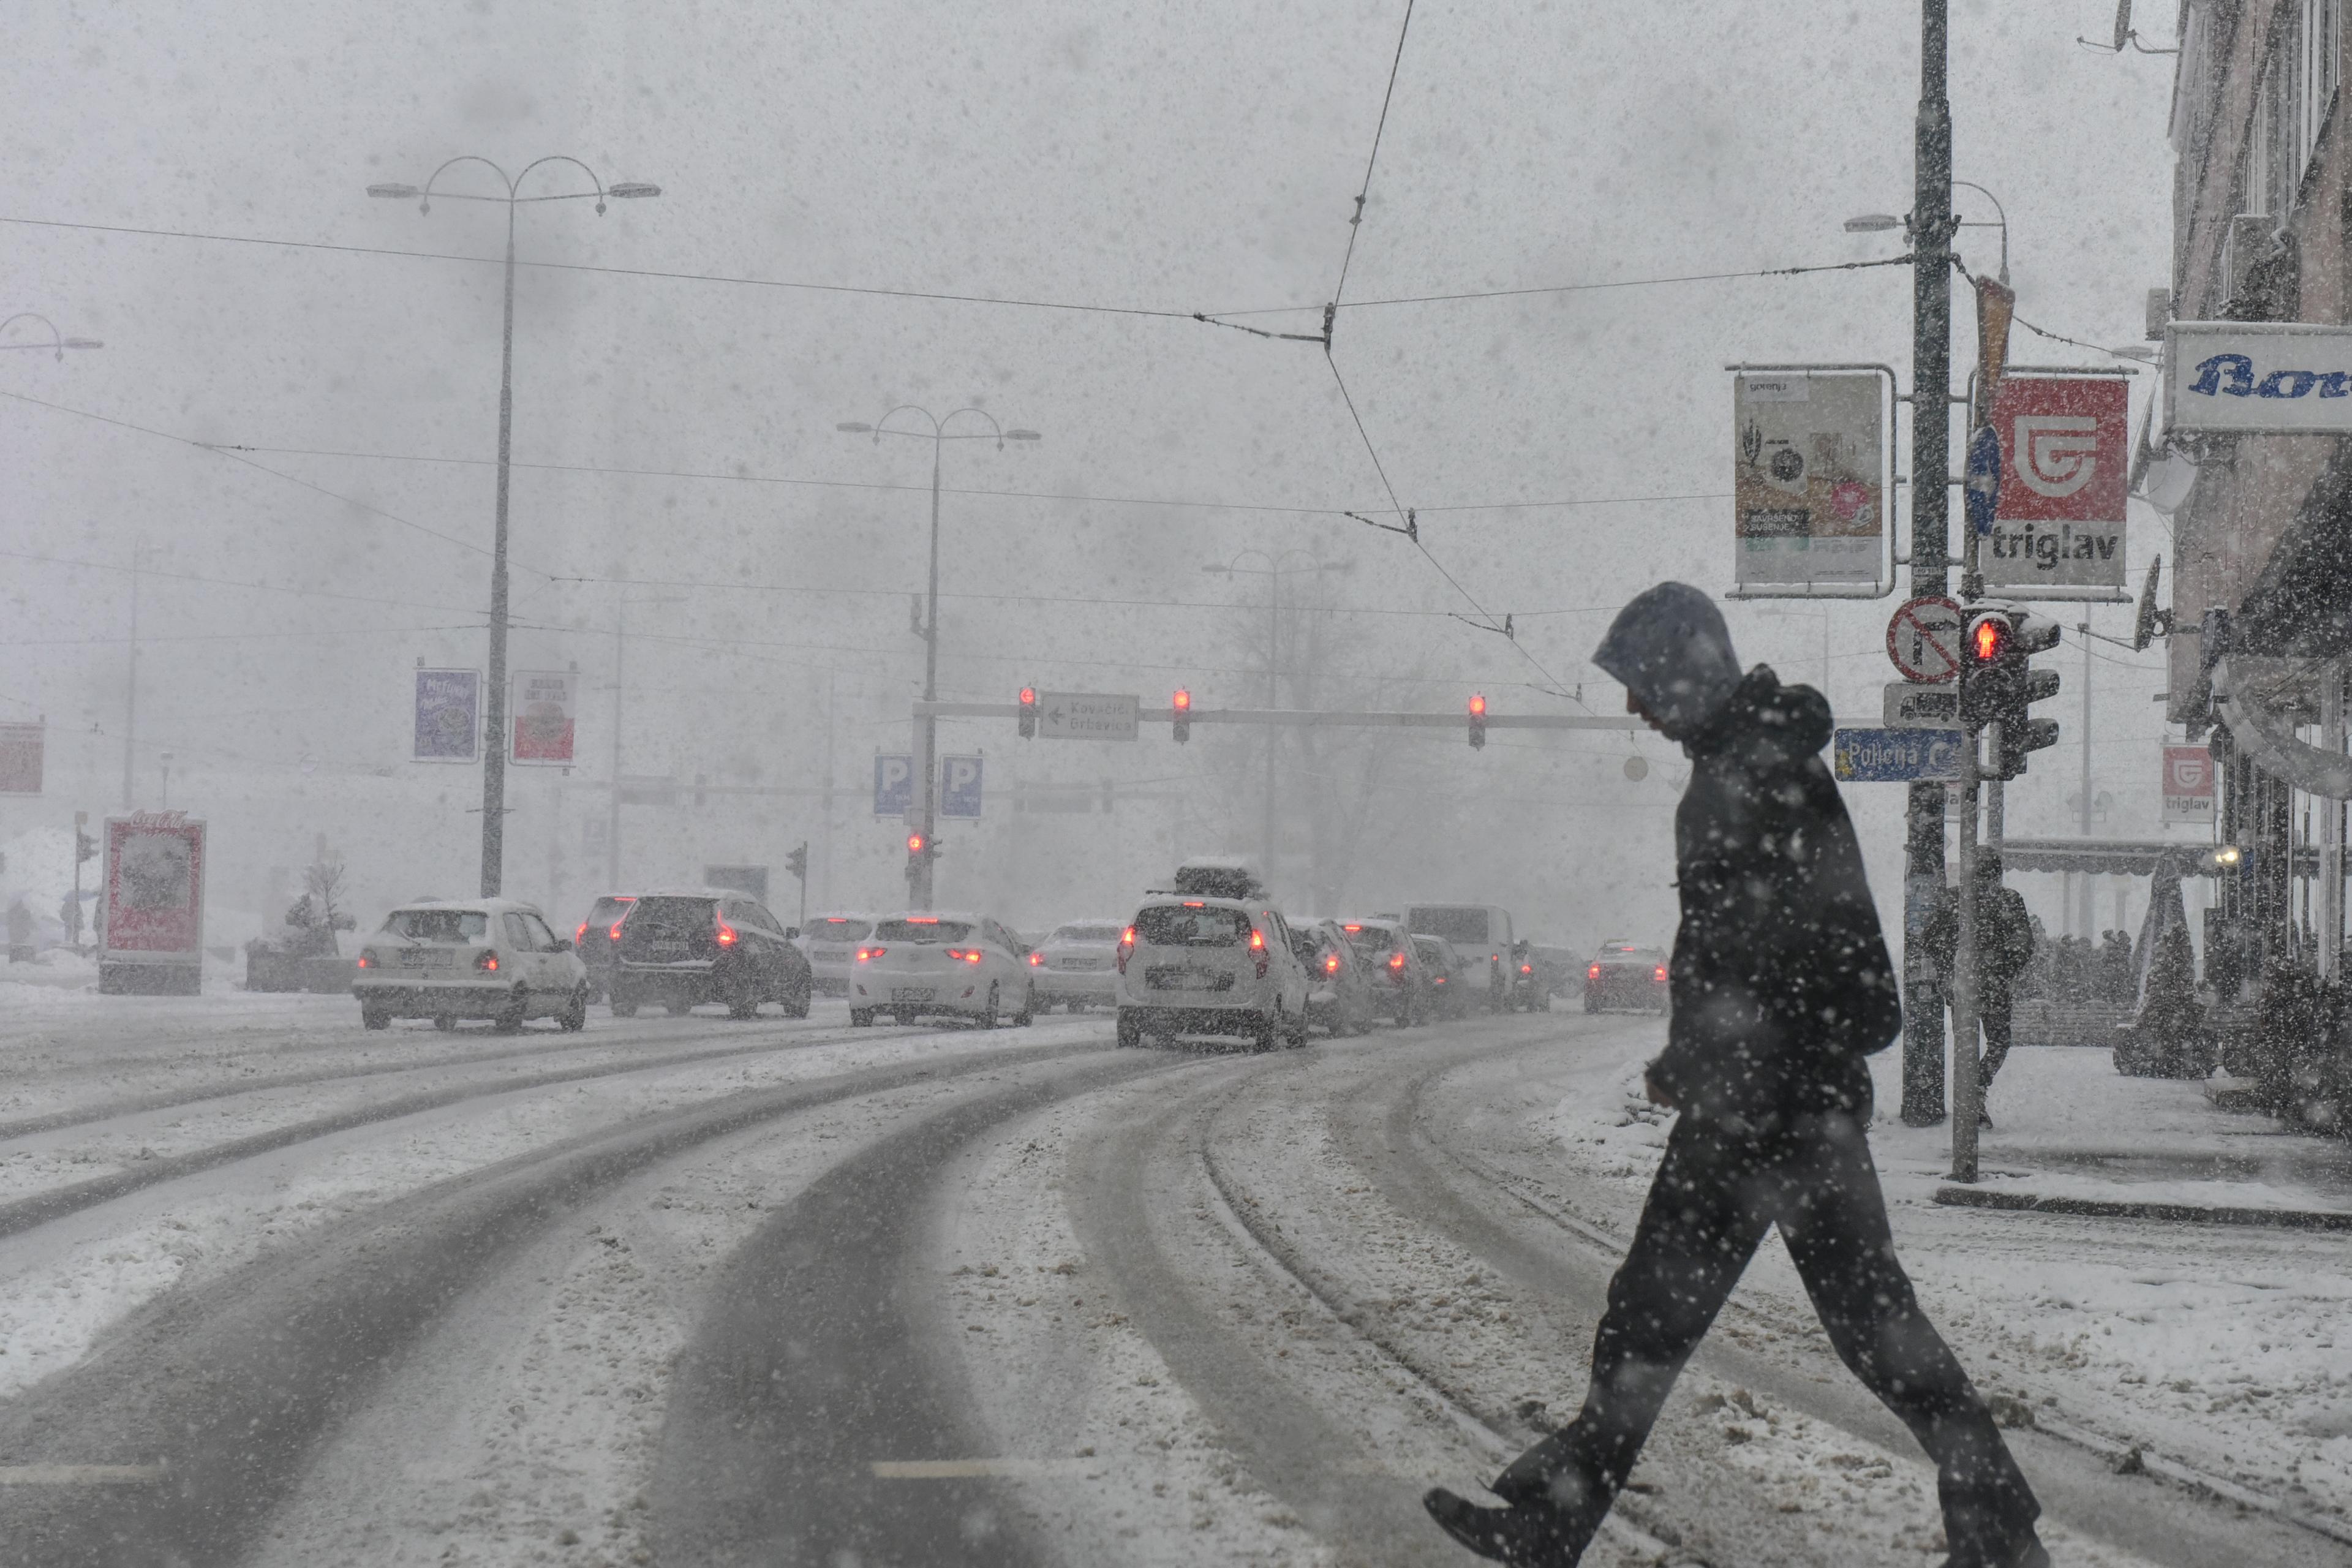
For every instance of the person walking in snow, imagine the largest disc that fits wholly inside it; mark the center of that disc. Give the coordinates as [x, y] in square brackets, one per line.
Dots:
[1781, 987]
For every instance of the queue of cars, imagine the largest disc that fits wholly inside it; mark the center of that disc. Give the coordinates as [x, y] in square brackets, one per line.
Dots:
[1209, 955]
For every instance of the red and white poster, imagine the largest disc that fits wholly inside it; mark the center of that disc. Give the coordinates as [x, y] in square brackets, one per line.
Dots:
[2065, 461]
[154, 887]
[2189, 784]
[543, 715]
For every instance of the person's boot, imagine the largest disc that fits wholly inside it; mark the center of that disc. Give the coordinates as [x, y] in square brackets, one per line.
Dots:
[1533, 1533]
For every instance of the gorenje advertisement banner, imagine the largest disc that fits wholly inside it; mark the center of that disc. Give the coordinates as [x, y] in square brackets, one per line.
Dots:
[2065, 459]
[153, 940]
[2258, 378]
[1809, 478]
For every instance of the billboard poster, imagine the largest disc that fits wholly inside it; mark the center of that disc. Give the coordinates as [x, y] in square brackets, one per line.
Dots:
[2065, 459]
[1809, 478]
[21, 747]
[543, 714]
[154, 887]
[2189, 780]
[448, 715]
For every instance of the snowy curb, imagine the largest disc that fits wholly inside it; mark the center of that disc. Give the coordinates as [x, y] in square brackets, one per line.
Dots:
[2103, 1209]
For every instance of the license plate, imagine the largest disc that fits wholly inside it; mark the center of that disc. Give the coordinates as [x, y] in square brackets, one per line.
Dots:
[424, 958]
[830, 955]
[911, 993]
[1187, 980]
[669, 950]
[1079, 964]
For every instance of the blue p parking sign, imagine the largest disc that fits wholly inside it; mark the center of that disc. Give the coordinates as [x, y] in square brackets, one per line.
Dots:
[894, 785]
[959, 786]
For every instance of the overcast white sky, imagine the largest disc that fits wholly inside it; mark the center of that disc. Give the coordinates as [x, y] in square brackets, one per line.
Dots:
[1202, 157]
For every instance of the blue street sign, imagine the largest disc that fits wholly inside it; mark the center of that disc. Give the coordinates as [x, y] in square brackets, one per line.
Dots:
[959, 787]
[1898, 756]
[894, 785]
[1981, 480]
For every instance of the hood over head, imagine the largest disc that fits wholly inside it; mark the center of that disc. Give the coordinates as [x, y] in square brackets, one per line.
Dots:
[1673, 651]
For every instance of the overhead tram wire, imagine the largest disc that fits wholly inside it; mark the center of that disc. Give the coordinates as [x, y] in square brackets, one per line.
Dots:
[236, 457]
[1380, 129]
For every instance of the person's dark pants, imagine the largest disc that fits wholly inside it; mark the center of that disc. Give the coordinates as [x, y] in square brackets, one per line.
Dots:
[1713, 1198]
[1993, 1013]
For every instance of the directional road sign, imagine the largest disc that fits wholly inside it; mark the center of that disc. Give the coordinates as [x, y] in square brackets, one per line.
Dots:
[959, 787]
[1910, 706]
[1898, 756]
[1982, 482]
[1085, 716]
[1923, 640]
[894, 785]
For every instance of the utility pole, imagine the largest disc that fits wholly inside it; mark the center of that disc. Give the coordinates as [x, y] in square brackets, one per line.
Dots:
[1273, 700]
[620, 699]
[1931, 458]
[130, 691]
[2088, 919]
[1967, 1084]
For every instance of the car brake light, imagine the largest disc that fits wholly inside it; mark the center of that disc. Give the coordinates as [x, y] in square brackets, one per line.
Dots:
[582, 934]
[1660, 974]
[922, 919]
[1036, 961]
[968, 954]
[365, 961]
[727, 937]
[487, 963]
[1593, 972]
[1331, 964]
[1125, 947]
[1526, 969]
[1353, 930]
[1439, 981]
[865, 954]
[1396, 961]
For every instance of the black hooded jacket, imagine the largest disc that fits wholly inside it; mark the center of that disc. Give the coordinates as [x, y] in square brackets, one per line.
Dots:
[1780, 980]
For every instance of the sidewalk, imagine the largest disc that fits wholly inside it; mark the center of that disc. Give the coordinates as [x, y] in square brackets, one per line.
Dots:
[2072, 1134]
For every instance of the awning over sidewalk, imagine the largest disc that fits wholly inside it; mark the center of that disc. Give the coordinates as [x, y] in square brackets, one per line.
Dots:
[2105, 856]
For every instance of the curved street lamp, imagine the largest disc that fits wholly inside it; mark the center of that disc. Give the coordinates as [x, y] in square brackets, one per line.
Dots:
[494, 755]
[928, 733]
[1879, 222]
[57, 342]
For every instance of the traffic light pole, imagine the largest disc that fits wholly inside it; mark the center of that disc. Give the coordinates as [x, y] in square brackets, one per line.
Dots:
[1931, 377]
[1968, 1087]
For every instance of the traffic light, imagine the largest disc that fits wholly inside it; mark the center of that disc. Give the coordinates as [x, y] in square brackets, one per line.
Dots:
[1478, 721]
[1181, 707]
[1028, 712]
[797, 862]
[1999, 684]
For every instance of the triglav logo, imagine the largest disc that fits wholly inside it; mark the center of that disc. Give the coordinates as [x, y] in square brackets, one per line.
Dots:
[2056, 452]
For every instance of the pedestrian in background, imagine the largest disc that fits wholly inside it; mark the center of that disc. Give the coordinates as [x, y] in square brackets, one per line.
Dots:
[1781, 987]
[20, 932]
[2004, 952]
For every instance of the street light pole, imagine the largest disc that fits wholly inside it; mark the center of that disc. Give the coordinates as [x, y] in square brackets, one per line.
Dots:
[919, 877]
[494, 708]
[1931, 376]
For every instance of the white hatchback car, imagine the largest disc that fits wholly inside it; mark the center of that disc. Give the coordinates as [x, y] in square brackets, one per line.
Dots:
[830, 942]
[1079, 966]
[470, 958]
[919, 962]
[1210, 966]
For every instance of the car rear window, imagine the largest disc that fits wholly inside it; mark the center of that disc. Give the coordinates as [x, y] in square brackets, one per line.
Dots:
[673, 918]
[1371, 939]
[437, 925]
[920, 930]
[1174, 925]
[839, 929]
[1633, 955]
[1087, 934]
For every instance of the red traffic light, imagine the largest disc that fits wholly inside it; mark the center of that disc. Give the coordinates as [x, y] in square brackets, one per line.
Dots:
[1478, 707]
[1477, 721]
[1987, 638]
[1029, 697]
[1183, 703]
[914, 844]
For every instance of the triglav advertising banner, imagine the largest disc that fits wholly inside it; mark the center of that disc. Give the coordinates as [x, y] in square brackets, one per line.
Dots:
[1809, 478]
[543, 716]
[2065, 460]
[448, 715]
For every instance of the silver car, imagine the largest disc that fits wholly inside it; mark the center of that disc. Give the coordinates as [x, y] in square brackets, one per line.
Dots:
[1077, 966]
[830, 943]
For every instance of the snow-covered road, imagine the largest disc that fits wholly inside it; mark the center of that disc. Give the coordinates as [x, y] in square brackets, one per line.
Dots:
[692, 1290]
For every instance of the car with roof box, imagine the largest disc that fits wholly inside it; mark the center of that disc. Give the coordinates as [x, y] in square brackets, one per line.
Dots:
[1211, 965]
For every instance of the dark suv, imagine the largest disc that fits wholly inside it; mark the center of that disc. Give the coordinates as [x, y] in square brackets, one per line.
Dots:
[681, 950]
[599, 939]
